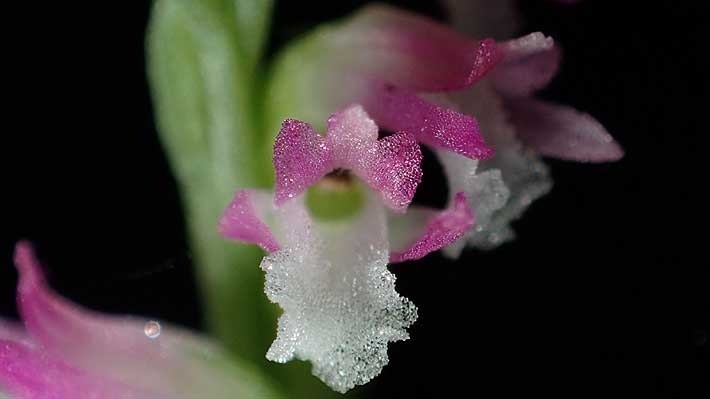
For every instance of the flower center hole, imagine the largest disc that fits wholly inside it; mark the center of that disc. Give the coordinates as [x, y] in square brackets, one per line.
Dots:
[339, 176]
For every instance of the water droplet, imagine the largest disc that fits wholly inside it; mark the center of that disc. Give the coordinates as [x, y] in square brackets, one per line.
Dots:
[152, 329]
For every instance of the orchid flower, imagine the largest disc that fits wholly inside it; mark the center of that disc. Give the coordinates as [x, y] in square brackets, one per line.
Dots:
[416, 75]
[379, 84]
[66, 352]
[330, 274]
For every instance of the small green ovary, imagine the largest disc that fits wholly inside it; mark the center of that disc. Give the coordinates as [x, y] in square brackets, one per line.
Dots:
[336, 197]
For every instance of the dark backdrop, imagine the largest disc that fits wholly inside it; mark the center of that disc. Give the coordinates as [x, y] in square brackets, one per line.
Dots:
[606, 290]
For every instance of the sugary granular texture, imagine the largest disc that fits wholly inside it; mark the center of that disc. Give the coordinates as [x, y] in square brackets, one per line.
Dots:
[340, 307]
[241, 221]
[442, 229]
[485, 193]
[391, 166]
[524, 176]
[438, 127]
[301, 158]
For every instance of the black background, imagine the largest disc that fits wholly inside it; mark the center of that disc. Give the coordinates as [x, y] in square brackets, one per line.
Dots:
[605, 291]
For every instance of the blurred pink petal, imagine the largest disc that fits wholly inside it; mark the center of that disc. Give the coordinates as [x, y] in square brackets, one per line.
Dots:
[109, 354]
[441, 229]
[390, 165]
[529, 64]
[31, 373]
[562, 132]
[411, 51]
[240, 221]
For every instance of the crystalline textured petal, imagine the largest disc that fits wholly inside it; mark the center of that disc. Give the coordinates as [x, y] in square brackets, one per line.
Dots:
[435, 126]
[441, 229]
[241, 221]
[524, 176]
[391, 165]
[395, 170]
[301, 158]
[339, 302]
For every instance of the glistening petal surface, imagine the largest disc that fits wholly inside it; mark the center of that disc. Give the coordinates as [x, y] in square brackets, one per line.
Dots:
[524, 176]
[391, 165]
[431, 124]
[440, 230]
[242, 221]
[340, 308]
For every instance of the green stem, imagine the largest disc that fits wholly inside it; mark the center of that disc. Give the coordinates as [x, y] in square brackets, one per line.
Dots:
[203, 66]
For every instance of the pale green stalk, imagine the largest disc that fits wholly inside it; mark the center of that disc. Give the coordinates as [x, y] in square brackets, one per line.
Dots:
[204, 66]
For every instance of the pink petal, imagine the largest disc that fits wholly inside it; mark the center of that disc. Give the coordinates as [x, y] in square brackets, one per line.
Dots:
[562, 132]
[399, 110]
[252, 217]
[391, 165]
[396, 170]
[173, 365]
[441, 230]
[29, 373]
[241, 221]
[301, 158]
[411, 51]
[529, 64]
[351, 135]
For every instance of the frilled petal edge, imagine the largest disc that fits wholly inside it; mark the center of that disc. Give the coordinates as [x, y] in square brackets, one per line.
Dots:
[340, 307]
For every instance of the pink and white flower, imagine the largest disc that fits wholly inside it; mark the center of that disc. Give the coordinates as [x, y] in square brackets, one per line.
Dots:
[330, 277]
[414, 75]
[414, 78]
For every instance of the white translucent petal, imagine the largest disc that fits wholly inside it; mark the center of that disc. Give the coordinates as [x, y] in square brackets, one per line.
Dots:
[486, 194]
[340, 307]
[500, 189]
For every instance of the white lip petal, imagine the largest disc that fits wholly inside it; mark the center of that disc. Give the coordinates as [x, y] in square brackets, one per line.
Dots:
[340, 307]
